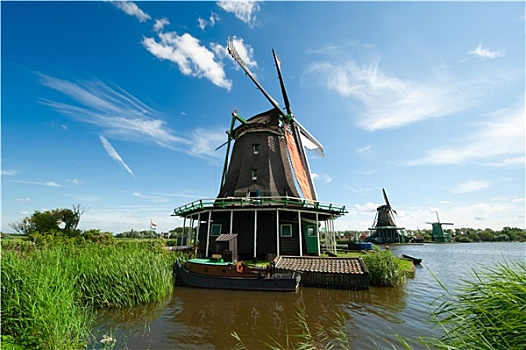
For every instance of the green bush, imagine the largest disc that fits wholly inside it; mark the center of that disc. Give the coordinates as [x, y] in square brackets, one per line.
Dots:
[384, 270]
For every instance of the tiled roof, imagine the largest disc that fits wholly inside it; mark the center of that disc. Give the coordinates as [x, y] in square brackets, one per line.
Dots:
[324, 265]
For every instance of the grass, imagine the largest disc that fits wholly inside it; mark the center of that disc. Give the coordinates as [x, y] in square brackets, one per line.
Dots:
[49, 295]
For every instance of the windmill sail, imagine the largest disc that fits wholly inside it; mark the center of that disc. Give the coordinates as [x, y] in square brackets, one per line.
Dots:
[302, 175]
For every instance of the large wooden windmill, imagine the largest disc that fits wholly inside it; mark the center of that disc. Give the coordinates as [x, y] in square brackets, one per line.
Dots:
[384, 225]
[258, 204]
[438, 233]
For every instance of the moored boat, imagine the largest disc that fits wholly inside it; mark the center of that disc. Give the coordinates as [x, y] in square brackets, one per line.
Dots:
[217, 274]
[415, 261]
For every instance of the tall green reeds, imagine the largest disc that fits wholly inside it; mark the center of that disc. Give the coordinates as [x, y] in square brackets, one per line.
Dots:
[488, 312]
[40, 308]
[123, 275]
[48, 294]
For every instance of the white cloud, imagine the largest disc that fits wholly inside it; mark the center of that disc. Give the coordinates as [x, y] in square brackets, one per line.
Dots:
[471, 186]
[206, 141]
[322, 178]
[497, 142]
[75, 181]
[23, 199]
[130, 8]
[114, 110]
[364, 149]
[245, 10]
[160, 23]
[8, 172]
[40, 183]
[245, 51]
[190, 56]
[155, 199]
[123, 116]
[389, 101]
[114, 155]
[203, 23]
[485, 53]
[367, 208]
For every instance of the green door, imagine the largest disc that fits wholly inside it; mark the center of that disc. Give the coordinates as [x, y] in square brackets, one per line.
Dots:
[311, 237]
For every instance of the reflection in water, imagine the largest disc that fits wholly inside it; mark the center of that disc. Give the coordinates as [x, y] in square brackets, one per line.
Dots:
[193, 318]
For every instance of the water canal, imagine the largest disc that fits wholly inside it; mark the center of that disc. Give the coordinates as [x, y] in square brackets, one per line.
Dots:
[204, 319]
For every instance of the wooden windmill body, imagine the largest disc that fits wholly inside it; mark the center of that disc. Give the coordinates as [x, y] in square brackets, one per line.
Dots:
[384, 226]
[258, 202]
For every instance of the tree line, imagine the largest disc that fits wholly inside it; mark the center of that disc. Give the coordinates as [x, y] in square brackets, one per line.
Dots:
[64, 223]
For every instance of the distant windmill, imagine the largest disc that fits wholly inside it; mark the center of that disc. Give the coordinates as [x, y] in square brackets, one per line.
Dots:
[438, 232]
[384, 225]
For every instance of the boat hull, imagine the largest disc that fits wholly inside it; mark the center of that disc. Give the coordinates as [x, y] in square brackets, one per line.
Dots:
[280, 282]
[414, 260]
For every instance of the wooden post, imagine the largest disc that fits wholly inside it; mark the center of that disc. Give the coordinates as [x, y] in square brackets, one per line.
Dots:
[277, 232]
[255, 232]
[300, 233]
[208, 232]
[231, 221]
[318, 234]
[198, 228]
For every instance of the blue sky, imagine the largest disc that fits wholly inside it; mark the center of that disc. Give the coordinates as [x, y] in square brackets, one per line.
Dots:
[119, 106]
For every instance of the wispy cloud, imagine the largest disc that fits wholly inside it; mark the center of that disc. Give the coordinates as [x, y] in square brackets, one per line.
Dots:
[130, 8]
[390, 102]
[23, 199]
[75, 181]
[485, 53]
[115, 111]
[245, 10]
[206, 141]
[39, 183]
[186, 51]
[114, 155]
[471, 186]
[155, 198]
[8, 172]
[498, 142]
[120, 115]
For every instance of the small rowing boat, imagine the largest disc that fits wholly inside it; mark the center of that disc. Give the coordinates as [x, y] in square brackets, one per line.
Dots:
[415, 261]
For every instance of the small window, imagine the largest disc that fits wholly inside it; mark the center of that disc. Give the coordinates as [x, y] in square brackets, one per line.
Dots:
[255, 148]
[254, 174]
[253, 194]
[215, 230]
[311, 231]
[286, 230]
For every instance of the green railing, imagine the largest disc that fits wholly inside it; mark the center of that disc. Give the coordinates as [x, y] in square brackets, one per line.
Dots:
[240, 202]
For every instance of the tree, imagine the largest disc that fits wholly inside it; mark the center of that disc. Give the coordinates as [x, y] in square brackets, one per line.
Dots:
[51, 222]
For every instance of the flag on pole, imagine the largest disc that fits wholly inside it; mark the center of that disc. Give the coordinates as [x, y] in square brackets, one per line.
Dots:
[153, 225]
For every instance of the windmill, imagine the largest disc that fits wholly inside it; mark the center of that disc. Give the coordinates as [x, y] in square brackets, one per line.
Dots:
[288, 126]
[258, 199]
[438, 232]
[384, 224]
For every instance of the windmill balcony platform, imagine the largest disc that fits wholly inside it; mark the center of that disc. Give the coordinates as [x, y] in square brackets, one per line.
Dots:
[259, 202]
